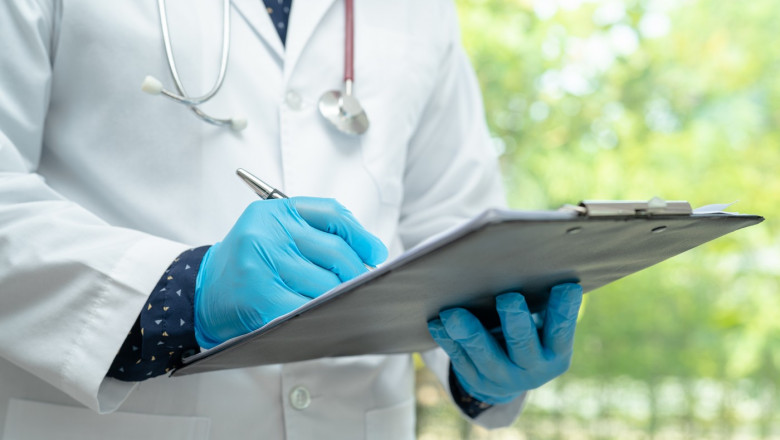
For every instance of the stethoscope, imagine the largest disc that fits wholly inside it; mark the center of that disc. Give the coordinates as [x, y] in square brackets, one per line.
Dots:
[342, 110]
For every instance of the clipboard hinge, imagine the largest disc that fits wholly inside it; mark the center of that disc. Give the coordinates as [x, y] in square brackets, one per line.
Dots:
[616, 208]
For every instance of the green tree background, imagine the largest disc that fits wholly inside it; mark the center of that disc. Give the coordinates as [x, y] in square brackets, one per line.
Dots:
[630, 99]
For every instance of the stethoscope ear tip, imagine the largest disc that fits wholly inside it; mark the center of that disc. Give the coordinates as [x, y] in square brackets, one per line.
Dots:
[152, 85]
[238, 124]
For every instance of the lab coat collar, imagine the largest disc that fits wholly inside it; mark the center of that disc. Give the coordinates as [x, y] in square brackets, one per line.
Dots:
[254, 13]
[305, 16]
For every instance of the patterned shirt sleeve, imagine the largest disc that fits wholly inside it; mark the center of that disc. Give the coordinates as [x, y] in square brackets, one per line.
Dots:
[164, 332]
[469, 405]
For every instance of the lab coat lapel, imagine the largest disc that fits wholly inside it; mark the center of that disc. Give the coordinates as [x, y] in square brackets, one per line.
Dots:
[254, 14]
[305, 16]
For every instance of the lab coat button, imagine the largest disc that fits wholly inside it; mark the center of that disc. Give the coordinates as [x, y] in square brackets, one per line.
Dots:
[300, 398]
[294, 100]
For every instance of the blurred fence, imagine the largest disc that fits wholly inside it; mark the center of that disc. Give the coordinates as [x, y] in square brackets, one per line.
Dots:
[619, 409]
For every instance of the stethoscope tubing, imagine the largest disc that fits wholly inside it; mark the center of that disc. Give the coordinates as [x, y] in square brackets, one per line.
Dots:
[154, 86]
[349, 41]
[343, 111]
[182, 96]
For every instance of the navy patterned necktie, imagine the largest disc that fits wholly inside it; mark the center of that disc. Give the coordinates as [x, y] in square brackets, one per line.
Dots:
[279, 10]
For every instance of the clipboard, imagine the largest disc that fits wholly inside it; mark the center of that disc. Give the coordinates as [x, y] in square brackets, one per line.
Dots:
[386, 311]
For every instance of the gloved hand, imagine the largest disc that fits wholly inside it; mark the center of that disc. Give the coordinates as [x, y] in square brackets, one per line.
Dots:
[278, 255]
[495, 375]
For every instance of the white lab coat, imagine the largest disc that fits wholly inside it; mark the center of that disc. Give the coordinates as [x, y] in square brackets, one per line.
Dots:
[102, 186]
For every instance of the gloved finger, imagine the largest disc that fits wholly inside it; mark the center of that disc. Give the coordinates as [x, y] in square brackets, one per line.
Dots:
[303, 276]
[522, 338]
[330, 252]
[329, 216]
[561, 319]
[481, 347]
[461, 363]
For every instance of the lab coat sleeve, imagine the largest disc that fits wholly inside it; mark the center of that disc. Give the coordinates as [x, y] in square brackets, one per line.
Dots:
[452, 174]
[71, 286]
[452, 168]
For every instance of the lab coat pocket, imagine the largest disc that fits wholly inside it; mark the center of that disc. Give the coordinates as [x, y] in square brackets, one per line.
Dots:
[392, 423]
[26, 420]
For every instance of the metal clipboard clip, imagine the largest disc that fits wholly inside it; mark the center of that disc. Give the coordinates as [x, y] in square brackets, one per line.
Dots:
[616, 208]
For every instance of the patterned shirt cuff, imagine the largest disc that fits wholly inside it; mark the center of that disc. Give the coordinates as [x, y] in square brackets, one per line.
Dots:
[164, 332]
[469, 405]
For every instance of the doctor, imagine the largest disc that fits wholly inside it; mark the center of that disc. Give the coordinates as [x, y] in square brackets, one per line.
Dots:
[109, 199]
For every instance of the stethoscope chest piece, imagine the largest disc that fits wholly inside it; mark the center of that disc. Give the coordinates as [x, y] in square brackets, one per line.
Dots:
[344, 112]
[342, 109]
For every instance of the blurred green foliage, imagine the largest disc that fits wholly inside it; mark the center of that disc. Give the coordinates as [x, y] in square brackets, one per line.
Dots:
[610, 99]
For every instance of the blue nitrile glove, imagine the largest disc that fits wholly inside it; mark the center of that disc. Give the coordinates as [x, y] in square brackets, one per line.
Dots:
[495, 375]
[279, 255]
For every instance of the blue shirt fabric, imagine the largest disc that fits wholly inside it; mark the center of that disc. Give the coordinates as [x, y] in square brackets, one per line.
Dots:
[469, 405]
[279, 10]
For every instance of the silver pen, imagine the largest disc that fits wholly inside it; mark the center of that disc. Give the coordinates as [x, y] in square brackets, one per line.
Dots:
[266, 191]
[262, 189]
